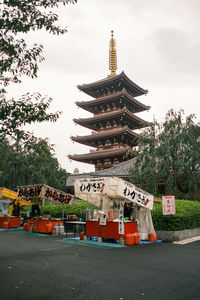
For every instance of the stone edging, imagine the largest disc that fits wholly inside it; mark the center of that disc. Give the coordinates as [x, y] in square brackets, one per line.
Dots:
[170, 236]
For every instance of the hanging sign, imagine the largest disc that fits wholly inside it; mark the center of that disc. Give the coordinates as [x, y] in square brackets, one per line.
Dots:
[131, 192]
[102, 220]
[43, 191]
[90, 189]
[89, 185]
[168, 205]
[121, 218]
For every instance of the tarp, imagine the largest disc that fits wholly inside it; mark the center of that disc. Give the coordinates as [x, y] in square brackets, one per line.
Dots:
[93, 190]
[42, 191]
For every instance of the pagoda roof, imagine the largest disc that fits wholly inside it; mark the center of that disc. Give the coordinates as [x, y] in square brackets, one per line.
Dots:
[121, 79]
[90, 105]
[88, 139]
[120, 170]
[89, 158]
[91, 122]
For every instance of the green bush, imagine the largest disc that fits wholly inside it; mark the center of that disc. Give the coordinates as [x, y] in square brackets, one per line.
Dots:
[187, 216]
[56, 210]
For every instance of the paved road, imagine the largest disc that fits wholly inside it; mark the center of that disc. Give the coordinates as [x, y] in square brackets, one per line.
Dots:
[41, 268]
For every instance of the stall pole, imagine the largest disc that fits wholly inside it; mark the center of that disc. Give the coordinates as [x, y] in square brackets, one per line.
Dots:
[63, 212]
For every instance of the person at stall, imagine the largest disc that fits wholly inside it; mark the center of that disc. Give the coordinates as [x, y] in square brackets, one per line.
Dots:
[16, 209]
[35, 209]
[1, 213]
[127, 210]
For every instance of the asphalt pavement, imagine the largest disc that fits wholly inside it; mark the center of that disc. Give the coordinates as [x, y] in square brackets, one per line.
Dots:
[40, 267]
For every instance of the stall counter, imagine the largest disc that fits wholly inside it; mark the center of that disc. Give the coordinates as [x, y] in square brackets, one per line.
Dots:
[110, 230]
[9, 222]
[42, 225]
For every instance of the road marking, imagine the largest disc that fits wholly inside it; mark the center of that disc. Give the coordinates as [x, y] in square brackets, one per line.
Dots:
[187, 241]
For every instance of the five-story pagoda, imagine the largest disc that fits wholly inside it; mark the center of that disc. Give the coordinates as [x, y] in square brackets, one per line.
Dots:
[114, 106]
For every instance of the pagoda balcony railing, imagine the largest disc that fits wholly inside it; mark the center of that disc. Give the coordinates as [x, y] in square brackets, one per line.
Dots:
[110, 128]
[106, 129]
[106, 148]
[106, 111]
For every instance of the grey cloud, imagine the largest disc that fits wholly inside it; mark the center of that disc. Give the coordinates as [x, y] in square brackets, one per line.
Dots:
[179, 50]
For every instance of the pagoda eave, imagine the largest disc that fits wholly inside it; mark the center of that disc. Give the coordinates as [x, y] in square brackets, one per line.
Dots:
[121, 96]
[95, 122]
[122, 79]
[92, 140]
[92, 157]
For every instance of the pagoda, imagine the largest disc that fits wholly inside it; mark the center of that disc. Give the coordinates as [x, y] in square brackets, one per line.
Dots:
[114, 108]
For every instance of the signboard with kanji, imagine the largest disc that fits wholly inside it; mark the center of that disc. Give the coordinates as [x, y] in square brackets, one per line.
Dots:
[93, 189]
[168, 205]
[42, 191]
[133, 193]
[121, 218]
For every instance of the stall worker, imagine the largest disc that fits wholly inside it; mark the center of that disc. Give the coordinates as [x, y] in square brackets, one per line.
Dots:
[128, 207]
[35, 209]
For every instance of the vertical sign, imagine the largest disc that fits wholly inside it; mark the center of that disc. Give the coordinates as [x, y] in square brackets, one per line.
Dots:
[121, 217]
[110, 216]
[102, 220]
[168, 205]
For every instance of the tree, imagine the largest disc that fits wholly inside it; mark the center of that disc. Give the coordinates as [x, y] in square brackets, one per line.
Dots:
[15, 114]
[18, 18]
[169, 153]
[32, 163]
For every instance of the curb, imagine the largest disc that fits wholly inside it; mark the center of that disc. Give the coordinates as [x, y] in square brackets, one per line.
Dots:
[179, 235]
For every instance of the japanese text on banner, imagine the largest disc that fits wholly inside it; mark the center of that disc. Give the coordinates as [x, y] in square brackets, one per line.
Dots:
[121, 218]
[131, 192]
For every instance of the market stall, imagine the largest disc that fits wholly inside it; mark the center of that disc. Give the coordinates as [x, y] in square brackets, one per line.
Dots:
[37, 194]
[123, 208]
[10, 206]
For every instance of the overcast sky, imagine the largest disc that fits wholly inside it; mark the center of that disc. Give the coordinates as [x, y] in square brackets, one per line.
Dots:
[158, 47]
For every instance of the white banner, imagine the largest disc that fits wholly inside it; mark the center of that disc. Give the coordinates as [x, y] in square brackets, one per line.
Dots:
[42, 191]
[103, 220]
[89, 185]
[131, 192]
[121, 218]
[93, 190]
[168, 205]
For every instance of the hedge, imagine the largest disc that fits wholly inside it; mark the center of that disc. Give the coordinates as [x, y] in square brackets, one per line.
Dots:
[56, 211]
[187, 216]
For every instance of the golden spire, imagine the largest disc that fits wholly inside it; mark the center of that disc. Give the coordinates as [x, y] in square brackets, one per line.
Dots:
[112, 56]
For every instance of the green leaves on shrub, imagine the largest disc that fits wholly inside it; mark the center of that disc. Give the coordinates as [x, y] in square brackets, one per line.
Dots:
[187, 216]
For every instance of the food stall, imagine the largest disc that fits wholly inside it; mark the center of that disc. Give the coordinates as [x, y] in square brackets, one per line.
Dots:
[10, 206]
[37, 194]
[123, 208]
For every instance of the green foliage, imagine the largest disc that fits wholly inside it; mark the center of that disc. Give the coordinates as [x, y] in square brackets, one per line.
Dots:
[31, 163]
[56, 211]
[187, 216]
[169, 153]
[17, 19]
[20, 17]
[78, 209]
[14, 114]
